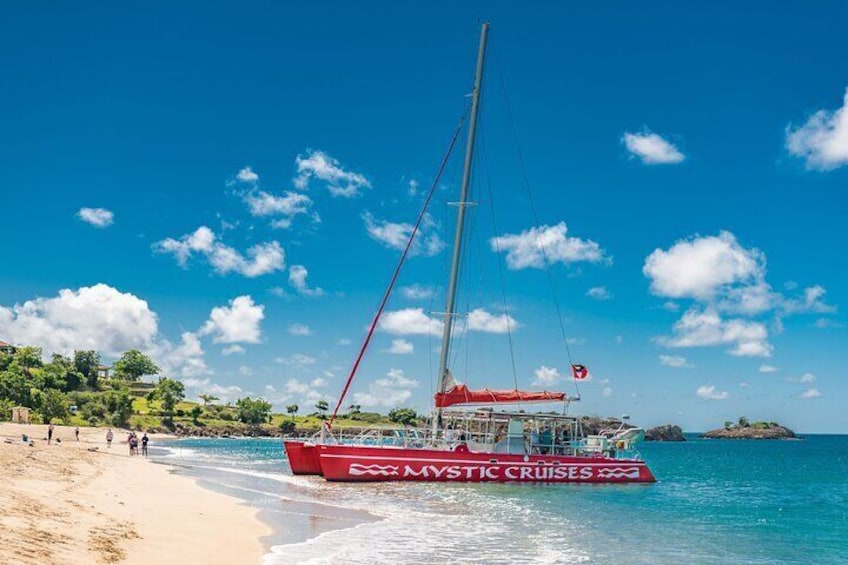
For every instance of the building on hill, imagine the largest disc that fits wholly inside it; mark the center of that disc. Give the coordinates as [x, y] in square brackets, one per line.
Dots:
[103, 371]
[7, 348]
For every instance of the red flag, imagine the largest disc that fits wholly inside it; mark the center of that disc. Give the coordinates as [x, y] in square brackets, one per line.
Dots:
[580, 372]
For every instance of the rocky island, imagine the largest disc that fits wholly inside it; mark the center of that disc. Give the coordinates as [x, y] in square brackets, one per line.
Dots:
[668, 432]
[751, 430]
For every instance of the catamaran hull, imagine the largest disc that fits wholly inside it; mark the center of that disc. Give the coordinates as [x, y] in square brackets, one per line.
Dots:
[348, 463]
[303, 458]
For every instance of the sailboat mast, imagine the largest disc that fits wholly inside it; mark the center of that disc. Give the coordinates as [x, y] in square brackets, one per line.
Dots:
[450, 300]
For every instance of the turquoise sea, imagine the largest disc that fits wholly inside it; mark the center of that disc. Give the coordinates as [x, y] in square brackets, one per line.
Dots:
[716, 501]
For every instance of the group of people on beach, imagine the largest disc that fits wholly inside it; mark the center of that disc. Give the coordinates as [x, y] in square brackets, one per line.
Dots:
[133, 440]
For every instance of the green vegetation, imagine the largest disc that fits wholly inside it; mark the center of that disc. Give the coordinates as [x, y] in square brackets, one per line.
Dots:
[404, 416]
[134, 364]
[73, 390]
[253, 411]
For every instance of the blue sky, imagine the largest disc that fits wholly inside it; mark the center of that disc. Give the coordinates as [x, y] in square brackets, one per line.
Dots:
[225, 187]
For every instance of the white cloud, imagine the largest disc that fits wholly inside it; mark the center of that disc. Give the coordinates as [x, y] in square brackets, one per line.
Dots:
[651, 148]
[724, 278]
[237, 323]
[412, 187]
[810, 393]
[743, 384]
[233, 349]
[413, 321]
[401, 347]
[184, 360]
[102, 318]
[599, 293]
[409, 321]
[97, 217]
[416, 292]
[297, 360]
[396, 235]
[321, 166]
[343, 341]
[261, 259]
[768, 369]
[700, 267]
[300, 330]
[482, 321]
[247, 175]
[811, 301]
[285, 207]
[826, 323]
[96, 317]
[710, 393]
[823, 140]
[675, 361]
[195, 387]
[297, 278]
[529, 248]
[607, 391]
[698, 328]
[389, 392]
[671, 306]
[806, 379]
[545, 376]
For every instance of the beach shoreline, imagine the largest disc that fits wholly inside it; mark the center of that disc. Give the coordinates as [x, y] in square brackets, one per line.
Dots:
[295, 510]
[81, 502]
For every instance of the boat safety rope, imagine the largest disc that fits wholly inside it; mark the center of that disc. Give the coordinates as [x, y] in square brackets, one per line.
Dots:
[496, 244]
[526, 183]
[396, 273]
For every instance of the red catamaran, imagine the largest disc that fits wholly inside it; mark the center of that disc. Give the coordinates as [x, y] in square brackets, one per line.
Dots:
[481, 444]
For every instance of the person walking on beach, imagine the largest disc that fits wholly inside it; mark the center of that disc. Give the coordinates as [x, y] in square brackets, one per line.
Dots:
[109, 437]
[49, 433]
[76, 432]
[133, 444]
[144, 440]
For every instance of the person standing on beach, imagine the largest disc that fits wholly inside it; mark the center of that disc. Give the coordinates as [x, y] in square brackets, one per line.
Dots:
[76, 432]
[49, 433]
[109, 437]
[144, 440]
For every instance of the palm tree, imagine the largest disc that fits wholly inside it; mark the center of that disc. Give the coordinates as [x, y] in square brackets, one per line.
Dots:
[292, 409]
[322, 407]
[207, 398]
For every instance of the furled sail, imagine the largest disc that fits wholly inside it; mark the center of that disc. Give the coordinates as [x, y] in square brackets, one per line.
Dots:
[461, 394]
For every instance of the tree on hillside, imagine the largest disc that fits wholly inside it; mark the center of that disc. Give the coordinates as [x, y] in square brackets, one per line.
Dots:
[28, 357]
[15, 388]
[134, 364]
[60, 373]
[54, 405]
[292, 409]
[5, 361]
[404, 416]
[743, 422]
[86, 363]
[207, 399]
[253, 411]
[322, 408]
[169, 392]
[196, 412]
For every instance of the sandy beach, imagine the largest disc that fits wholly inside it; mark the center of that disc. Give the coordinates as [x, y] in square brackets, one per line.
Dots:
[68, 503]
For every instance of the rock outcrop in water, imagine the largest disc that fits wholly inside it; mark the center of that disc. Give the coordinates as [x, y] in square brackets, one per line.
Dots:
[745, 430]
[668, 432]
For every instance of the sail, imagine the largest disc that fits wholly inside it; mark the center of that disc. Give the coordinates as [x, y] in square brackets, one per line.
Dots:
[461, 394]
